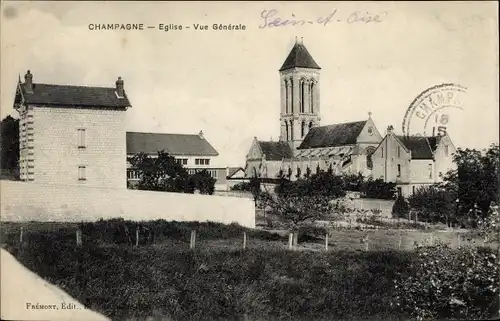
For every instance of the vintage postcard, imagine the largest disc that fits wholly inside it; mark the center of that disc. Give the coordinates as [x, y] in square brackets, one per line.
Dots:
[257, 161]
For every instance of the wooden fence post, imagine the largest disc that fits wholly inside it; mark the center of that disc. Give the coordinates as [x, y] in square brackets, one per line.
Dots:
[192, 243]
[21, 235]
[244, 240]
[458, 239]
[400, 241]
[367, 243]
[290, 240]
[137, 236]
[432, 239]
[326, 242]
[79, 237]
[295, 240]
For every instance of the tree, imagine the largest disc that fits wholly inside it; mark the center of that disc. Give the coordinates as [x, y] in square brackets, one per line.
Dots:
[255, 188]
[308, 172]
[9, 146]
[160, 173]
[475, 181]
[201, 181]
[295, 209]
[401, 208]
[434, 204]
[164, 173]
[298, 173]
[330, 169]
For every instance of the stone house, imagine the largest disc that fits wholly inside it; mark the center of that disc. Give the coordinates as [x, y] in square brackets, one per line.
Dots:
[72, 135]
[413, 161]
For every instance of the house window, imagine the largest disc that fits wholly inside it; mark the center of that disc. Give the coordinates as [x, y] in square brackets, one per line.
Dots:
[399, 170]
[132, 174]
[430, 170]
[82, 175]
[446, 150]
[201, 161]
[182, 161]
[399, 152]
[81, 138]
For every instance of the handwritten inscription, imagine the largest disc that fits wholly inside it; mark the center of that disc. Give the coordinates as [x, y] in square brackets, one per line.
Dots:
[271, 18]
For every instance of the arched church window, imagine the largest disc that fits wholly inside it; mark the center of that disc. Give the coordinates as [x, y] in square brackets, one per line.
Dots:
[311, 97]
[303, 129]
[302, 95]
[291, 95]
[369, 160]
[286, 129]
[291, 130]
[310, 125]
[286, 96]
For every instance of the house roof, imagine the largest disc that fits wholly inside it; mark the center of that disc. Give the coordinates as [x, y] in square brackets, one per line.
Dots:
[71, 96]
[299, 57]
[276, 150]
[173, 144]
[333, 135]
[421, 147]
[234, 170]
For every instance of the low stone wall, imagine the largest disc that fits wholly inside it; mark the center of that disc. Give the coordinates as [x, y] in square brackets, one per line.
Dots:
[25, 201]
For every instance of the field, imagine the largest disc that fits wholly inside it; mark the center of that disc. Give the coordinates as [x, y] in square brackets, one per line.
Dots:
[218, 280]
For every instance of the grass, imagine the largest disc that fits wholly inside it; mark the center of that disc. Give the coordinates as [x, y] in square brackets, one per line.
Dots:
[218, 280]
[218, 284]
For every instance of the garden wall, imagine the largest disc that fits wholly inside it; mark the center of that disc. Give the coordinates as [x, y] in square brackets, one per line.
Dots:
[25, 201]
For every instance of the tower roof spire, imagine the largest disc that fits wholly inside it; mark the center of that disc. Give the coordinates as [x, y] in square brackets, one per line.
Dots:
[299, 57]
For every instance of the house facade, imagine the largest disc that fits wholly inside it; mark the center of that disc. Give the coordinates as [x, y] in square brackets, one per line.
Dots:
[192, 151]
[72, 135]
[413, 161]
[303, 143]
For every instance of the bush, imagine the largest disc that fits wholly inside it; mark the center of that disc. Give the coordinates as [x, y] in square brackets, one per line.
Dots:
[310, 232]
[243, 186]
[401, 208]
[378, 189]
[448, 283]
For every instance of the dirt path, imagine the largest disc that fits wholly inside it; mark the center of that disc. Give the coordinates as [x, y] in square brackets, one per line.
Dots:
[26, 296]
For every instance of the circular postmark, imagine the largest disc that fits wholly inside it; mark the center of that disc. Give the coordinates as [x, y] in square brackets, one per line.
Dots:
[430, 112]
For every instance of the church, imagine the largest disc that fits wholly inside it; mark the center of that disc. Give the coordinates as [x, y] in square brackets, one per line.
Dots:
[305, 146]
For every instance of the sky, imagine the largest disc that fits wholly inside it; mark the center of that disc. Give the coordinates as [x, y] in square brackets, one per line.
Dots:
[227, 83]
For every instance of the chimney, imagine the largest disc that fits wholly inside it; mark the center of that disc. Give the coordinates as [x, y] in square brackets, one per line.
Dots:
[390, 128]
[120, 92]
[28, 82]
[201, 134]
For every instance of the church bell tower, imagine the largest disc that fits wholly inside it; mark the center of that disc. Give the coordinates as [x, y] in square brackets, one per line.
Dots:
[300, 105]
